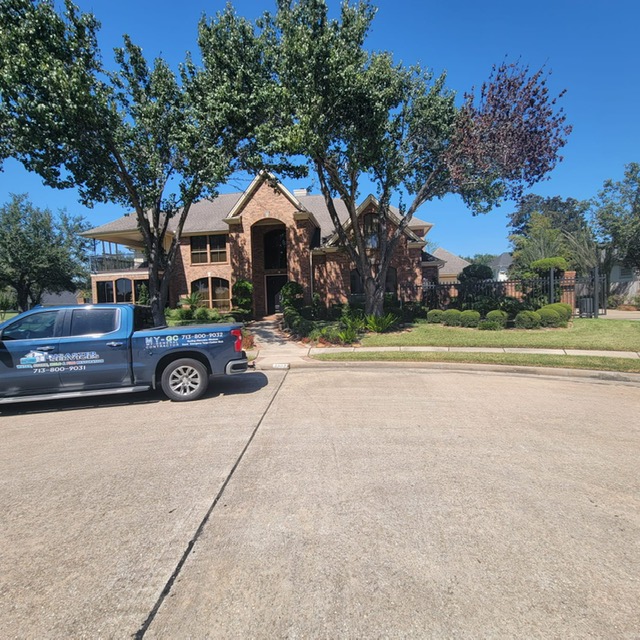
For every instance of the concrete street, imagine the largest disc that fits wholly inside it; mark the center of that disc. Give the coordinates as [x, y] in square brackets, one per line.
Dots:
[350, 501]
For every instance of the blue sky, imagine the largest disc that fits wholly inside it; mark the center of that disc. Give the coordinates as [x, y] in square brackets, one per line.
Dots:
[590, 46]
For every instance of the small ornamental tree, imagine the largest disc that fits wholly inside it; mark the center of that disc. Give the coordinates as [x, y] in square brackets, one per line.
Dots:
[354, 114]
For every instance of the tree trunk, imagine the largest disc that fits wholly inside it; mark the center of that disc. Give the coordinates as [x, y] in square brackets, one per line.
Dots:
[22, 298]
[374, 297]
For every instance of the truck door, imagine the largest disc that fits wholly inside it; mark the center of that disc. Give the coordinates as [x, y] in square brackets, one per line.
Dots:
[95, 349]
[28, 351]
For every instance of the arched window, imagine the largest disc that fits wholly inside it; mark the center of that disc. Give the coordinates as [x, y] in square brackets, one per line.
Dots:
[124, 290]
[215, 292]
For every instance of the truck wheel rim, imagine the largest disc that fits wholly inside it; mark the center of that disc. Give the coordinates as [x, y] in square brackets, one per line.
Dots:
[184, 380]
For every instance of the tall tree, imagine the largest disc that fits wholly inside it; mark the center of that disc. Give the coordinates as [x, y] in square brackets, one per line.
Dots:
[355, 114]
[480, 258]
[616, 212]
[566, 215]
[141, 136]
[39, 252]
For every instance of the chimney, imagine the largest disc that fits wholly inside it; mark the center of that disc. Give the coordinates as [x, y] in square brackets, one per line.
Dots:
[300, 192]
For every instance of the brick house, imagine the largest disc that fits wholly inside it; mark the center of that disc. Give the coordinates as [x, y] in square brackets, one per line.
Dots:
[267, 235]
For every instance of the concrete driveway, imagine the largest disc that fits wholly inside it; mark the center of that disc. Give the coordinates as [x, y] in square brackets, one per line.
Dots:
[344, 502]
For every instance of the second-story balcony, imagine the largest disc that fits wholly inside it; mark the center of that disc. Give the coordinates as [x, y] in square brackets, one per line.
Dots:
[108, 262]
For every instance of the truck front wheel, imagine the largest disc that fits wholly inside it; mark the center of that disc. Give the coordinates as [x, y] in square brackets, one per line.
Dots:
[184, 379]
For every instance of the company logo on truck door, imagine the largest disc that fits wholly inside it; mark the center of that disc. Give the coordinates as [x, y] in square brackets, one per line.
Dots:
[190, 340]
[62, 361]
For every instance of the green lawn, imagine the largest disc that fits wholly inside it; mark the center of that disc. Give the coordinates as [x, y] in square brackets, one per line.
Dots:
[623, 365]
[583, 333]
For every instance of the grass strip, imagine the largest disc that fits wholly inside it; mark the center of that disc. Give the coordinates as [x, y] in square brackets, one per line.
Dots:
[623, 365]
[589, 334]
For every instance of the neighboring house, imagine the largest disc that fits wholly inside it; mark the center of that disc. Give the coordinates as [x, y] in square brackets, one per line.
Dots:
[269, 236]
[624, 281]
[500, 266]
[452, 265]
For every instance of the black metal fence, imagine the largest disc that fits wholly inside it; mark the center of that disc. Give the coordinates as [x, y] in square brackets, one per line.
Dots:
[587, 296]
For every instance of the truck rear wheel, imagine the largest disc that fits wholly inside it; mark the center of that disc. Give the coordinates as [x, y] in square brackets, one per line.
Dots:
[184, 379]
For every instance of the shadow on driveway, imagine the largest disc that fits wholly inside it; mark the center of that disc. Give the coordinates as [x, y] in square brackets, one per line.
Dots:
[223, 386]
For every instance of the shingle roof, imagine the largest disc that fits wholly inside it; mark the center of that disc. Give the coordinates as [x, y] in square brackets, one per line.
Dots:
[453, 264]
[208, 215]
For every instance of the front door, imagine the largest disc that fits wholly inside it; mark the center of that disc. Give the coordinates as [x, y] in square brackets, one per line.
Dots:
[274, 284]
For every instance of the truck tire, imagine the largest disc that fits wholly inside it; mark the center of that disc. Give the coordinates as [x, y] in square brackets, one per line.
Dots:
[184, 379]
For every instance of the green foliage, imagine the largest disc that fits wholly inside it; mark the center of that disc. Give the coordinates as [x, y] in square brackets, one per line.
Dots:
[563, 309]
[617, 215]
[490, 325]
[356, 116]
[543, 266]
[143, 295]
[381, 324]
[550, 318]
[434, 316]
[528, 320]
[475, 272]
[201, 314]
[498, 316]
[296, 323]
[481, 258]
[292, 295]
[192, 300]
[8, 302]
[242, 298]
[39, 252]
[185, 314]
[451, 317]
[469, 318]
[121, 133]
[567, 216]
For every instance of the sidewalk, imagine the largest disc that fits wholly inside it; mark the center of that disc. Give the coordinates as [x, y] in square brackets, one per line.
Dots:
[275, 350]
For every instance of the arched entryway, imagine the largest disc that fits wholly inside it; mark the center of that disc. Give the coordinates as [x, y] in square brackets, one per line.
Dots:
[270, 264]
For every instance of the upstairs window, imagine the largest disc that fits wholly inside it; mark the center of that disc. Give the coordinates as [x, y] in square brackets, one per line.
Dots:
[370, 230]
[209, 249]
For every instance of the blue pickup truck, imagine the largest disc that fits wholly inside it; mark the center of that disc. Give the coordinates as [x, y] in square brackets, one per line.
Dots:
[74, 351]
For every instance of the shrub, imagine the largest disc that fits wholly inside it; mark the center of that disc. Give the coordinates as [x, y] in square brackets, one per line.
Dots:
[451, 318]
[544, 265]
[353, 323]
[348, 336]
[512, 306]
[296, 323]
[380, 324]
[185, 313]
[143, 296]
[192, 300]
[201, 314]
[292, 295]
[242, 294]
[469, 318]
[527, 320]
[550, 318]
[565, 311]
[498, 316]
[490, 325]
[435, 316]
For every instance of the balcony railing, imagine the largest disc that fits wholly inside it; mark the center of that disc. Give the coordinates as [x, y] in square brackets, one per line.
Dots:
[117, 262]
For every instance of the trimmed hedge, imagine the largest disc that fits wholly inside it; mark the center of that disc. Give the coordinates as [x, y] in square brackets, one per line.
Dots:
[550, 318]
[498, 316]
[490, 325]
[451, 318]
[563, 309]
[434, 316]
[528, 320]
[469, 318]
